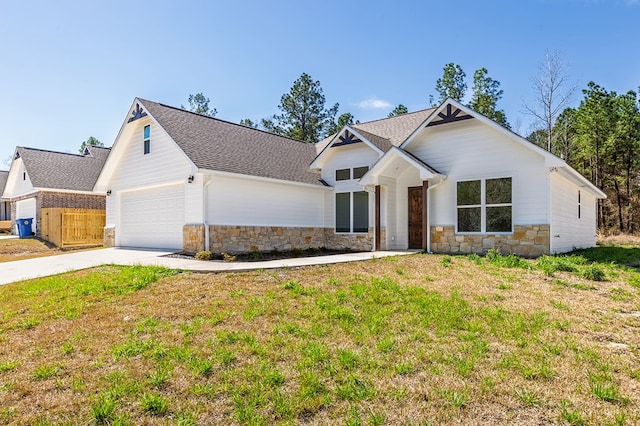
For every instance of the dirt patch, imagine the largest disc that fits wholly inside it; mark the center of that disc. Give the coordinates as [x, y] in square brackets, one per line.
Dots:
[259, 256]
[27, 248]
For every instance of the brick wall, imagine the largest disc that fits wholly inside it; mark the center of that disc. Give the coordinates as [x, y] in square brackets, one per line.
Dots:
[45, 200]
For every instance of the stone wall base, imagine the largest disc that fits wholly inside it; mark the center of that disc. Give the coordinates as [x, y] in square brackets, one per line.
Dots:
[526, 241]
[193, 238]
[244, 239]
[109, 236]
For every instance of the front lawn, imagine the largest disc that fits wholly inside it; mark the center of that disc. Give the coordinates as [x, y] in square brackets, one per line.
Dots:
[421, 339]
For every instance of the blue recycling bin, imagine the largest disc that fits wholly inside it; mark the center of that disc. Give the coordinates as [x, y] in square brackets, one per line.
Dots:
[24, 227]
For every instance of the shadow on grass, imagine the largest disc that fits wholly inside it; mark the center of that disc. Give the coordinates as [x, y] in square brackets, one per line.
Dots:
[627, 256]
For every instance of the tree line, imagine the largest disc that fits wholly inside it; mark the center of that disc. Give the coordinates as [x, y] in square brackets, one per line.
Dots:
[600, 137]
[304, 116]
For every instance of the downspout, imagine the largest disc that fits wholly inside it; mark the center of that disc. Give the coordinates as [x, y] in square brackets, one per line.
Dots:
[429, 189]
[204, 214]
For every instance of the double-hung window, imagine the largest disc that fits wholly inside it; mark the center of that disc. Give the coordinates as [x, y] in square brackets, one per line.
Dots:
[485, 205]
[352, 211]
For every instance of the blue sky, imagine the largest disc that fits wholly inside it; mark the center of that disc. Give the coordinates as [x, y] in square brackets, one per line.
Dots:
[70, 69]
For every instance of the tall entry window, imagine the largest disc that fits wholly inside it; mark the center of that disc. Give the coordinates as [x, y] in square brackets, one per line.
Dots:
[352, 211]
[485, 205]
[147, 139]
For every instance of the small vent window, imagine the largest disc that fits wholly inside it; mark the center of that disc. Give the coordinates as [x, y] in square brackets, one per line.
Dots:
[579, 205]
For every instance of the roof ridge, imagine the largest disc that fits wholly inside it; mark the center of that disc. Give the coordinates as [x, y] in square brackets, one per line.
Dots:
[51, 151]
[227, 122]
[395, 116]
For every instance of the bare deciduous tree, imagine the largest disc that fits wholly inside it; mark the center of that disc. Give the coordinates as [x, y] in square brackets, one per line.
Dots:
[553, 91]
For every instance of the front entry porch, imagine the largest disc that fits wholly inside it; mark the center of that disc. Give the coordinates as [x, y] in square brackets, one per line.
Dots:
[401, 186]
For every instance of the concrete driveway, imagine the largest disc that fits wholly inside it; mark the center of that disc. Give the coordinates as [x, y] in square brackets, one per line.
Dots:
[51, 265]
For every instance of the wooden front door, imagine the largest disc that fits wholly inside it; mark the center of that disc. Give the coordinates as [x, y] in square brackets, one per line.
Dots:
[415, 217]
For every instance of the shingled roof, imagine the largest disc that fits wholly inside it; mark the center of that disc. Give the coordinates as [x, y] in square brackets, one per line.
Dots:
[214, 144]
[60, 170]
[4, 174]
[395, 129]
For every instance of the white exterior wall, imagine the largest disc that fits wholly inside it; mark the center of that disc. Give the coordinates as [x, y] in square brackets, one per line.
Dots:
[567, 230]
[27, 209]
[251, 202]
[344, 157]
[16, 185]
[472, 150]
[165, 164]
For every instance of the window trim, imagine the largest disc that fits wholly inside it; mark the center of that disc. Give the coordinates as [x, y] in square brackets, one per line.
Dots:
[351, 213]
[483, 206]
[146, 141]
[351, 171]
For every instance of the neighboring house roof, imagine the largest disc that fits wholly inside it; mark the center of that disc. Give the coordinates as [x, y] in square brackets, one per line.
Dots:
[218, 145]
[60, 170]
[4, 174]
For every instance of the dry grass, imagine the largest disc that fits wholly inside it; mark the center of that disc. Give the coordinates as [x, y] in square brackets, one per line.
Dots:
[27, 248]
[619, 240]
[420, 339]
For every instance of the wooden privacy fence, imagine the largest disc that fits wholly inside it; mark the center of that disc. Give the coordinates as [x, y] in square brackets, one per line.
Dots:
[72, 227]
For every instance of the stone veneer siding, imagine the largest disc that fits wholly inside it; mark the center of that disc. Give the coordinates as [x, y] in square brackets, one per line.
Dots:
[526, 241]
[109, 236]
[193, 238]
[46, 200]
[243, 239]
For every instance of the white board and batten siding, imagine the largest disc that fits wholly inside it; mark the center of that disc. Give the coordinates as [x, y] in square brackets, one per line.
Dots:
[239, 201]
[471, 150]
[568, 231]
[346, 157]
[147, 205]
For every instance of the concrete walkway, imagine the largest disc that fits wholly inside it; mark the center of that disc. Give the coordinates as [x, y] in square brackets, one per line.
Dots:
[51, 265]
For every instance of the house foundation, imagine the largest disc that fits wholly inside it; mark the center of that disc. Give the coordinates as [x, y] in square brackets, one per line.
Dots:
[525, 241]
[242, 239]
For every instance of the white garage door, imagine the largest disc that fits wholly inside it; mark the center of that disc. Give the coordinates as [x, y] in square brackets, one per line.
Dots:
[152, 217]
[27, 209]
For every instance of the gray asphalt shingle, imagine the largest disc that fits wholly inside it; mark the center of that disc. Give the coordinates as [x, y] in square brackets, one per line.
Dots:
[214, 144]
[60, 170]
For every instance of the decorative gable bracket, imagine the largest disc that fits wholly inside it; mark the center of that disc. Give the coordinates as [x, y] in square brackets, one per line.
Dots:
[137, 114]
[347, 139]
[449, 116]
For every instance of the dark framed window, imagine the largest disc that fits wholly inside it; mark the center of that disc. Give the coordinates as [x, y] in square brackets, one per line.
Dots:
[343, 212]
[147, 139]
[358, 172]
[343, 174]
[352, 211]
[485, 205]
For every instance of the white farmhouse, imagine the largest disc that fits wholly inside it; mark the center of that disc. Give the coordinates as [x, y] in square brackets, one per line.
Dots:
[445, 180]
